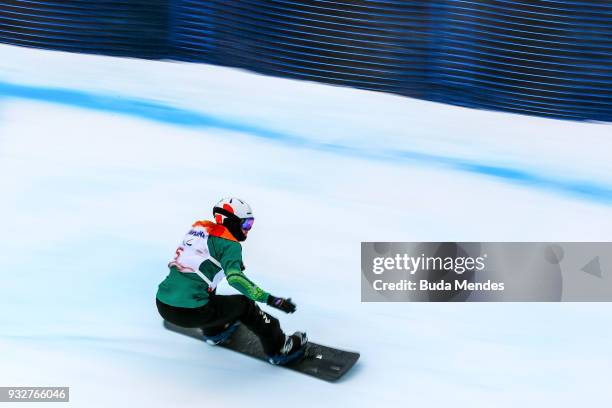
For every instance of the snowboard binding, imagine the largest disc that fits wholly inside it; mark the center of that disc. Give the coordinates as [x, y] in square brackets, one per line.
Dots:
[223, 336]
[293, 349]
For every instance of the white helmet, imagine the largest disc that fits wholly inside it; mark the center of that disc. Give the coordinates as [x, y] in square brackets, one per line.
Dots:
[236, 215]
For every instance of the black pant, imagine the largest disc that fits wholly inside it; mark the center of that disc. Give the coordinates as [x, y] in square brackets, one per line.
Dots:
[221, 311]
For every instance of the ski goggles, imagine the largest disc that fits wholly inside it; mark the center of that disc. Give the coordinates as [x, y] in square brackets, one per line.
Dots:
[247, 223]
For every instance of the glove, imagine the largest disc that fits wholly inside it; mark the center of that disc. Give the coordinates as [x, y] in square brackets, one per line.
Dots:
[286, 305]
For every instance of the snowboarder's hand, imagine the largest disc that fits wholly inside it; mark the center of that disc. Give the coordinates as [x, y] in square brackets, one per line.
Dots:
[286, 305]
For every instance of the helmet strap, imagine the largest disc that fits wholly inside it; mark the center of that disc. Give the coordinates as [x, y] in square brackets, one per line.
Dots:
[231, 222]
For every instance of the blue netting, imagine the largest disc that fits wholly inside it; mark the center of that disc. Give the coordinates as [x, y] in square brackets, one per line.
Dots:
[136, 28]
[542, 57]
[372, 45]
[551, 58]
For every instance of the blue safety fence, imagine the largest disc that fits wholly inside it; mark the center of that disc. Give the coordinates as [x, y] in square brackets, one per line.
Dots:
[380, 46]
[540, 57]
[137, 28]
[549, 58]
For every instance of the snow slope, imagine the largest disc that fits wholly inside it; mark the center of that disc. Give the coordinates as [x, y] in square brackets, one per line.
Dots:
[104, 162]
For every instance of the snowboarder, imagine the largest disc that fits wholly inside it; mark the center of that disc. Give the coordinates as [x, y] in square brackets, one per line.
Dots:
[209, 252]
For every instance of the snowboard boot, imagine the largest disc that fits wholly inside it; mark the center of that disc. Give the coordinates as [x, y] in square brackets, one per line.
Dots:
[223, 336]
[293, 349]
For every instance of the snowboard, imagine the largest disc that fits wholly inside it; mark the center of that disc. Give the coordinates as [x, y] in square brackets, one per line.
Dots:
[323, 362]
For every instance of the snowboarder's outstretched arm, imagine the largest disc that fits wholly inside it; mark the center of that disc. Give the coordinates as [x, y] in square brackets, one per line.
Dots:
[238, 280]
[233, 267]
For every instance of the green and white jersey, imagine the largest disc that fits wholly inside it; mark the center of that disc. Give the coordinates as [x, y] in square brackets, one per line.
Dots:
[207, 254]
